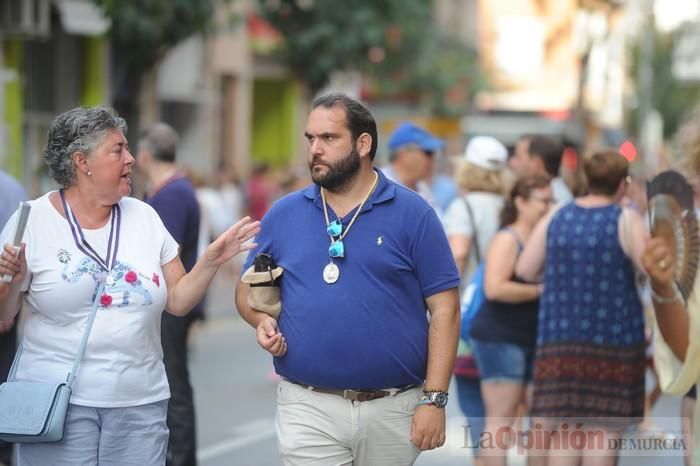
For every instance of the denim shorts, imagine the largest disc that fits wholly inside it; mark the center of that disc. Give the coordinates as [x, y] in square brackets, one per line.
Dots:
[503, 362]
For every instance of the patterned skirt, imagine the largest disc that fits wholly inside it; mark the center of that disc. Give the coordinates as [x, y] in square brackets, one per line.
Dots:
[586, 380]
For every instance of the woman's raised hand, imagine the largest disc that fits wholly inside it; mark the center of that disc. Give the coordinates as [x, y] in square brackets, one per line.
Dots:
[232, 241]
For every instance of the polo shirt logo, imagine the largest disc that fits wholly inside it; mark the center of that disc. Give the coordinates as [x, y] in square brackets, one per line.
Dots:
[380, 240]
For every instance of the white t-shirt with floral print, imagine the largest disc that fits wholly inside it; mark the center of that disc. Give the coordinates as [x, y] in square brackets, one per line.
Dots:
[123, 361]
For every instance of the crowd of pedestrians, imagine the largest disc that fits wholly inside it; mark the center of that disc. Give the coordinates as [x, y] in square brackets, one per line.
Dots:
[367, 269]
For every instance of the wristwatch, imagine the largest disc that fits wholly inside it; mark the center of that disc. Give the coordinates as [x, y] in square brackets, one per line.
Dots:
[439, 399]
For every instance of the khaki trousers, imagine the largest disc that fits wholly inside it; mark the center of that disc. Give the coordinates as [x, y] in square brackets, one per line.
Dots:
[320, 429]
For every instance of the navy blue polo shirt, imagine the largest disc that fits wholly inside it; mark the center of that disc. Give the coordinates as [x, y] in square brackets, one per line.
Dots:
[176, 204]
[368, 330]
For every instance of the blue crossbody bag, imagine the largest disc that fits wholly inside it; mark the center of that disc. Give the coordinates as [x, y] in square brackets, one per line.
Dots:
[473, 296]
[33, 412]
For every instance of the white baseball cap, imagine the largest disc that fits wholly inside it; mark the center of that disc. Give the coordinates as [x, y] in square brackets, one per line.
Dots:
[486, 152]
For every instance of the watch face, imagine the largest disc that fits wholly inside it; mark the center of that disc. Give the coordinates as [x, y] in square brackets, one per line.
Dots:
[440, 399]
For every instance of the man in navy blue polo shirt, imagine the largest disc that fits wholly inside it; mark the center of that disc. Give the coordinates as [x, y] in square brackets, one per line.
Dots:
[172, 195]
[364, 370]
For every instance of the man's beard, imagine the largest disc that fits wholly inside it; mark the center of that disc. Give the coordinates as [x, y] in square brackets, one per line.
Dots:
[339, 173]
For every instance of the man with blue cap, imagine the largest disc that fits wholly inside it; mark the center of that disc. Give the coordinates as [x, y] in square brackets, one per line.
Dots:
[411, 157]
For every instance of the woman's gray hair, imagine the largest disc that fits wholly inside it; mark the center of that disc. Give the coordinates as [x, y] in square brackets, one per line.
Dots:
[78, 130]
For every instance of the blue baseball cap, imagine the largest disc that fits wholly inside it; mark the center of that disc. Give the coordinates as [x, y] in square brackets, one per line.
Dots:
[409, 134]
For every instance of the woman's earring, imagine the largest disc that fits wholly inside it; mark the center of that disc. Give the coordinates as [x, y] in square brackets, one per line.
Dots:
[89, 173]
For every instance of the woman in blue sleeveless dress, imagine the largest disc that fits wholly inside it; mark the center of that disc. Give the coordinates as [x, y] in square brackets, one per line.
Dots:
[504, 331]
[589, 361]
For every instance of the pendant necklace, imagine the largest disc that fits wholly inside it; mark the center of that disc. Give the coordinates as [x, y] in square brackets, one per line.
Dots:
[104, 263]
[331, 272]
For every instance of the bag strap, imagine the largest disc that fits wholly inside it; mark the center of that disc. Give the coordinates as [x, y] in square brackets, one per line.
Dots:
[515, 235]
[86, 334]
[81, 349]
[15, 363]
[470, 212]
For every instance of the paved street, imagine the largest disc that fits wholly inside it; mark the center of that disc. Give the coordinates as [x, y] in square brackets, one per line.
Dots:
[235, 398]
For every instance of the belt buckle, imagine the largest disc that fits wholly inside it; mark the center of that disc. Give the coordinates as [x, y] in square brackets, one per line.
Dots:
[359, 395]
[353, 395]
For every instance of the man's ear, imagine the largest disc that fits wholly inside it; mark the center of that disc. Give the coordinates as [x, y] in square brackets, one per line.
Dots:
[363, 145]
[538, 163]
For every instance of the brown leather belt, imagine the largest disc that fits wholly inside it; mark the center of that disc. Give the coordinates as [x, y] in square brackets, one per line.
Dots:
[358, 395]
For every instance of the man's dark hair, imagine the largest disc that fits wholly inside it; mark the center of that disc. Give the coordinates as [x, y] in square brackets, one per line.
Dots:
[359, 119]
[549, 150]
[161, 141]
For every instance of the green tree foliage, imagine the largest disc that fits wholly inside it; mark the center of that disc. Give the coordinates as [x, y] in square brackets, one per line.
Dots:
[673, 99]
[141, 33]
[145, 29]
[393, 42]
[444, 74]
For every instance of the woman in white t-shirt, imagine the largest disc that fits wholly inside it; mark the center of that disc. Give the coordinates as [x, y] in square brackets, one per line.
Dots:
[88, 233]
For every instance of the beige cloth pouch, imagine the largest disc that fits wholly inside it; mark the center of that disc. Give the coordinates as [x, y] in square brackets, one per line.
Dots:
[264, 292]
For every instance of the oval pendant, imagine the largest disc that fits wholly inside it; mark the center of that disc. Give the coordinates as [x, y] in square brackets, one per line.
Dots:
[331, 272]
